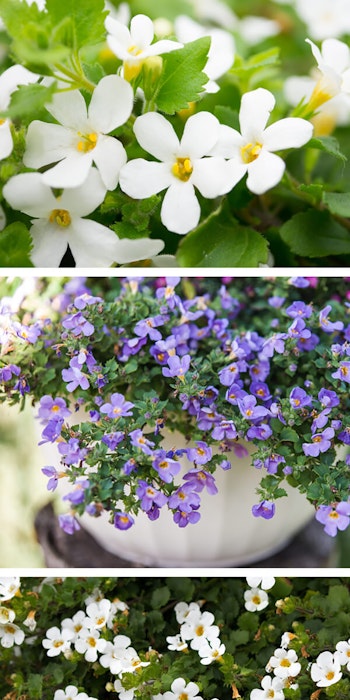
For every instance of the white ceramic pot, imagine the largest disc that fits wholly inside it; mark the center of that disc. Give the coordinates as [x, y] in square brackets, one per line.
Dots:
[227, 533]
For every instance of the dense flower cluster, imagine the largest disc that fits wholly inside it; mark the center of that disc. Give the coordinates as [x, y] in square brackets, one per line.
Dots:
[87, 645]
[224, 365]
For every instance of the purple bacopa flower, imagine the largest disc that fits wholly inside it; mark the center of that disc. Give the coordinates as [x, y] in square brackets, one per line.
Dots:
[299, 282]
[28, 333]
[328, 398]
[198, 480]
[334, 518]
[271, 463]
[131, 347]
[168, 292]
[74, 376]
[83, 300]
[299, 310]
[182, 518]
[52, 430]
[320, 420]
[177, 366]
[123, 521]
[166, 467]
[344, 436]
[326, 324]
[113, 439]
[117, 407]
[201, 454]
[260, 390]
[259, 432]
[229, 374]
[298, 329]
[250, 410]
[54, 476]
[265, 509]
[78, 494]
[298, 398]
[6, 373]
[207, 417]
[78, 325]
[68, 523]
[276, 302]
[274, 344]
[343, 372]
[149, 496]
[260, 371]
[185, 499]
[308, 344]
[138, 439]
[321, 442]
[147, 327]
[52, 408]
[226, 429]
[71, 451]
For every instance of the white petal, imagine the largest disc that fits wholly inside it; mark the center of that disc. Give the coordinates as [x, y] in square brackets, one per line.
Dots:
[254, 113]
[141, 178]
[211, 177]
[265, 172]
[49, 243]
[200, 135]
[118, 48]
[26, 192]
[69, 108]
[156, 136]
[11, 78]
[141, 31]
[81, 201]
[118, 30]
[180, 209]
[46, 143]
[109, 156]
[236, 170]
[221, 53]
[336, 54]
[69, 172]
[315, 52]
[6, 142]
[291, 132]
[229, 143]
[111, 104]
[163, 46]
[92, 244]
[138, 249]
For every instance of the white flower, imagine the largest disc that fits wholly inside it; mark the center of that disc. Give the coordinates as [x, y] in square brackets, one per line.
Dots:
[80, 139]
[253, 150]
[59, 223]
[176, 643]
[216, 11]
[343, 653]
[271, 688]
[57, 641]
[134, 46]
[265, 582]
[255, 29]
[9, 586]
[333, 62]
[324, 18]
[10, 634]
[70, 693]
[89, 644]
[131, 661]
[326, 670]
[221, 52]
[199, 628]
[182, 691]
[9, 82]
[113, 653]
[286, 639]
[211, 651]
[183, 167]
[76, 623]
[182, 610]
[98, 614]
[6, 615]
[123, 694]
[335, 111]
[255, 599]
[30, 621]
[284, 663]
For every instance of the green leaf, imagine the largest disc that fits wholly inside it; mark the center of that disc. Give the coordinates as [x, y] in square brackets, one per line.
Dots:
[289, 435]
[315, 234]
[16, 14]
[28, 100]
[220, 241]
[160, 597]
[182, 79]
[329, 144]
[88, 20]
[15, 246]
[338, 203]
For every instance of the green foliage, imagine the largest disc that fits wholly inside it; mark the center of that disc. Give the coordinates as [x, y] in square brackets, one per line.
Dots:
[28, 100]
[315, 234]
[78, 23]
[15, 246]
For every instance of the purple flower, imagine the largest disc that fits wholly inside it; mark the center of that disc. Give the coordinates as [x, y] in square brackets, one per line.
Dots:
[131, 347]
[177, 366]
[68, 523]
[226, 429]
[328, 398]
[123, 521]
[299, 282]
[249, 408]
[320, 420]
[261, 390]
[326, 324]
[168, 292]
[149, 496]
[182, 519]
[334, 518]
[344, 436]
[148, 326]
[84, 300]
[28, 333]
[298, 329]
[77, 496]
[298, 398]
[166, 467]
[259, 432]
[54, 476]
[7, 372]
[272, 345]
[201, 454]
[343, 372]
[71, 451]
[138, 439]
[299, 310]
[265, 509]
[321, 442]
[229, 374]
[52, 408]
[276, 302]
[198, 480]
[78, 325]
[185, 499]
[117, 407]
[113, 439]
[75, 376]
[52, 430]
[271, 463]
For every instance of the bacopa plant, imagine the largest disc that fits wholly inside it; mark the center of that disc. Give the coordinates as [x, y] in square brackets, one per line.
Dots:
[216, 134]
[224, 364]
[174, 638]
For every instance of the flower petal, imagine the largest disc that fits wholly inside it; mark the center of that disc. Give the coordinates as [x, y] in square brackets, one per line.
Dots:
[163, 46]
[69, 108]
[118, 30]
[291, 132]
[47, 143]
[254, 113]
[157, 136]
[211, 176]
[141, 31]
[336, 54]
[111, 104]
[141, 178]
[180, 209]
[27, 192]
[49, 244]
[200, 135]
[6, 142]
[265, 172]
[109, 156]
[229, 143]
[92, 244]
[72, 171]
[11, 78]
[81, 201]
[138, 249]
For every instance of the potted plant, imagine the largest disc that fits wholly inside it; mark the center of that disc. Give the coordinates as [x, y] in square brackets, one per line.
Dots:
[171, 401]
[166, 639]
[205, 137]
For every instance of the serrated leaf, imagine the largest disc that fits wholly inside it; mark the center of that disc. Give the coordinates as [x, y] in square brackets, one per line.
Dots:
[87, 17]
[315, 234]
[222, 242]
[17, 14]
[328, 144]
[28, 100]
[182, 79]
[15, 246]
[338, 203]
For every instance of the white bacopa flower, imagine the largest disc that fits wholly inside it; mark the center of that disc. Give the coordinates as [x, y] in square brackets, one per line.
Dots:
[252, 151]
[255, 599]
[59, 222]
[9, 586]
[271, 688]
[6, 615]
[284, 663]
[324, 18]
[89, 644]
[114, 652]
[176, 643]
[10, 634]
[131, 661]
[182, 691]
[199, 628]
[57, 641]
[123, 694]
[76, 623]
[255, 29]
[98, 613]
[71, 692]
[342, 653]
[222, 48]
[81, 137]
[326, 670]
[334, 112]
[333, 62]
[182, 610]
[265, 582]
[211, 651]
[286, 639]
[184, 165]
[134, 46]
[9, 81]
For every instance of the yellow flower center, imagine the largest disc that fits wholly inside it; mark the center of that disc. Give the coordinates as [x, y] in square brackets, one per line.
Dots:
[87, 142]
[285, 662]
[250, 152]
[199, 631]
[182, 169]
[330, 675]
[334, 515]
[256, 600]
[60, 217]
